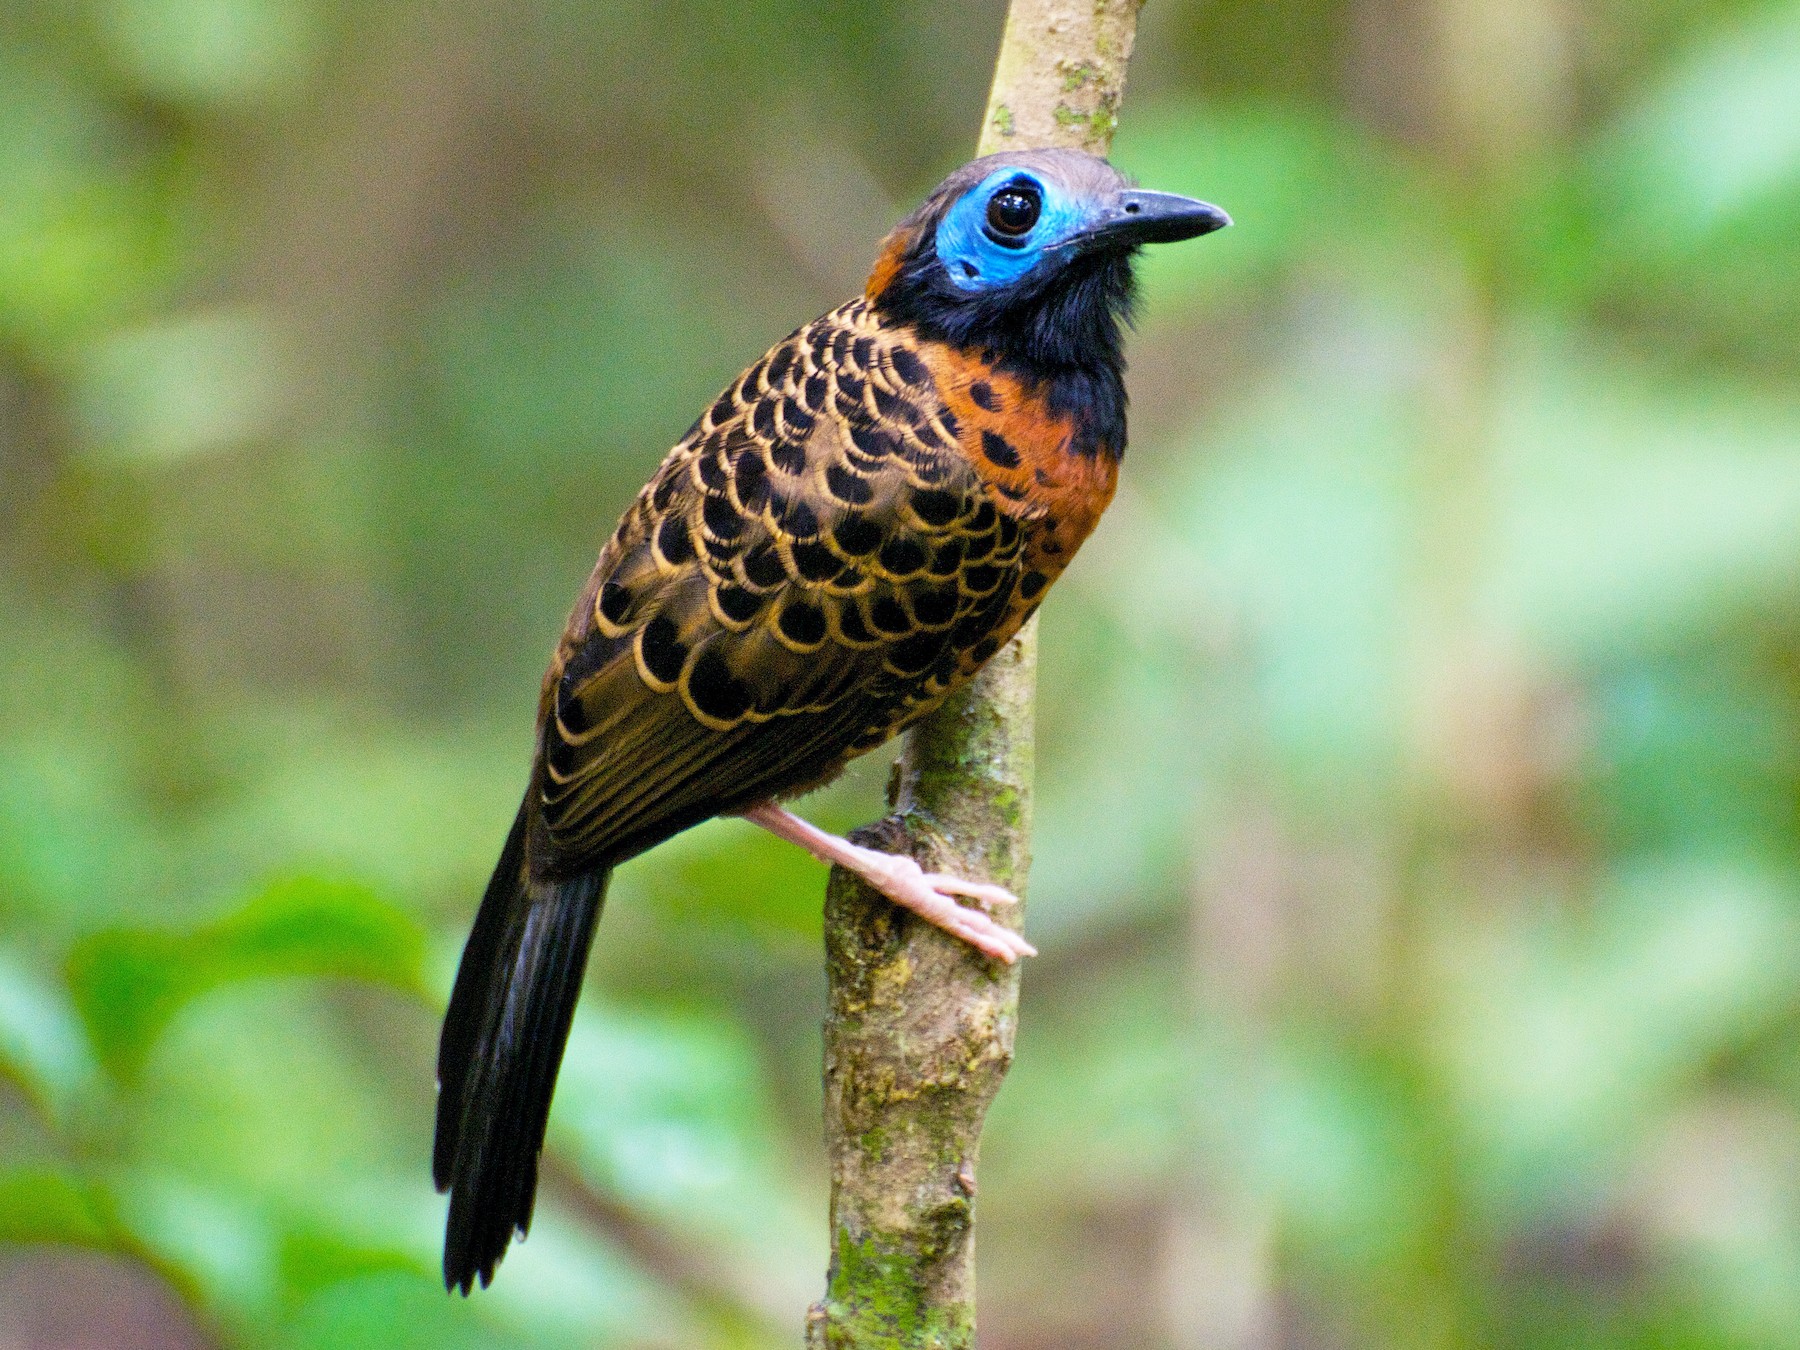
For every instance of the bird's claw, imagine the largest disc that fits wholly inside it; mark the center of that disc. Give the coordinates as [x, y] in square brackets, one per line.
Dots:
[930, 896]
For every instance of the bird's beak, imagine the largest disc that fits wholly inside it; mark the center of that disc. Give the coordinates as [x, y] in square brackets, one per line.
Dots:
[1136, 217]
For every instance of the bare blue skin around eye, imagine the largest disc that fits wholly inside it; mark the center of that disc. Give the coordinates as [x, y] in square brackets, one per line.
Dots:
[975, 262]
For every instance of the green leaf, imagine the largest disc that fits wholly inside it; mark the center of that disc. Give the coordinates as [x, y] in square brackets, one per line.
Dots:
[43, 1046]
[128, 982]
[48, 1205]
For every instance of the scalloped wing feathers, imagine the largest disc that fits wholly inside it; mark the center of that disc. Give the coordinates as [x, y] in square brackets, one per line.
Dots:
[816, 565]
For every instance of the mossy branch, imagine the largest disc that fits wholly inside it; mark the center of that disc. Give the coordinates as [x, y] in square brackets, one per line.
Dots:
[920, 1027]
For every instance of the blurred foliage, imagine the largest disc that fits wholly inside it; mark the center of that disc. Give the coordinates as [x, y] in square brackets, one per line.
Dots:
[1418, 867]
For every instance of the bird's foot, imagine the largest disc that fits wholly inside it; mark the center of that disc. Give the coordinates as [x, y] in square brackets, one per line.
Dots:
[900, 879]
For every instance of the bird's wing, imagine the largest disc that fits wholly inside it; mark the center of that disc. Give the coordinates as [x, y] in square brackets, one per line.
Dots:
[814, 566]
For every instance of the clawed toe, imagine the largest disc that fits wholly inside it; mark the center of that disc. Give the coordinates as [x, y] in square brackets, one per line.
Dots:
[902, 880]
[930, 895]
[982, 891]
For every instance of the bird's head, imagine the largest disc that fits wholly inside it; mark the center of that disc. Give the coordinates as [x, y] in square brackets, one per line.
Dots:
[1027, 257]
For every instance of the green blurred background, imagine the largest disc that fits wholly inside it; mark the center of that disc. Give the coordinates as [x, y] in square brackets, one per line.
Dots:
[1418, 866]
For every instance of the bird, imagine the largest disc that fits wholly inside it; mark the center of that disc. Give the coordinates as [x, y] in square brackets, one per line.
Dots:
[847, 534]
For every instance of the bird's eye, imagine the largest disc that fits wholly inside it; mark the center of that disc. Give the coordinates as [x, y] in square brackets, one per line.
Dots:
[1014, 209]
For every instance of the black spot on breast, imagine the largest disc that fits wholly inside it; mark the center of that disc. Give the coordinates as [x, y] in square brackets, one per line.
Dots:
[983, 519]
[763, 566]
[840, 346]
[914, 655]
[762, 418]
[661, 647]
[952, 427]
[815, 391]
[747, 387]
[999, 450]
[856, 535]
[615, 602]
[985, 649]
[664, 492]
[751, 476]
[1009, 531]
[902, 556]
[738, 604]
[802, 624]
[815, 562]
[722, 518]
[715, 691]
[848, 487]
[672, 541]
[978, 547]
[934, 507]
[849, 399]
[724, 408]
[935, 606]
[908, 367]
[1032, 584]
[888, 617]
[1012, 494]
[1052, 549]
[800, 520]
[984, 396]
[862, 351]
[946, 558]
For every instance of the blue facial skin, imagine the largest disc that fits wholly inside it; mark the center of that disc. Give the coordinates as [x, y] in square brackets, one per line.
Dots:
[972, 257]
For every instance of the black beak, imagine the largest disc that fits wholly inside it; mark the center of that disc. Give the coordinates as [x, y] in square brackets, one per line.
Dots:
[1136, 217]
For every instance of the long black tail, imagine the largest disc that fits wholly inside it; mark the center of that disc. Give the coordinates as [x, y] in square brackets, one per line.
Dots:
[502, 1045]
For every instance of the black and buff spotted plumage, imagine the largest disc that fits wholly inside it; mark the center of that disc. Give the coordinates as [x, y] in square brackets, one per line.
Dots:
[813, 567]
[848, 533]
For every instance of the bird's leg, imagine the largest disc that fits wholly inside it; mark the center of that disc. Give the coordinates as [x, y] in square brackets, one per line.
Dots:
[900, 879]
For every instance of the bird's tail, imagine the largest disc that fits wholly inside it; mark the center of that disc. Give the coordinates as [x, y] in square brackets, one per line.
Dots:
[502, 1044]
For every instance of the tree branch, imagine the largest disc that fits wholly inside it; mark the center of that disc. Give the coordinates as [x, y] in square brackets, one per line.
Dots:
[920, 1027]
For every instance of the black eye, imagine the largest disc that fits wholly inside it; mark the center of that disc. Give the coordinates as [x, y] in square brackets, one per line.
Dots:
[1014, 209]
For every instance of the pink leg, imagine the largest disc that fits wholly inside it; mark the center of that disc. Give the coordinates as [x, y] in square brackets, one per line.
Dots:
[927, 894]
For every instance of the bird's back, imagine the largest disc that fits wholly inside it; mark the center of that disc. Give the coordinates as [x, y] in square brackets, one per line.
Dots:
[845, 535]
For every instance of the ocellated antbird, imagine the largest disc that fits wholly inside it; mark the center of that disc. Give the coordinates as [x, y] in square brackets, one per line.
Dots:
[858, 523]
